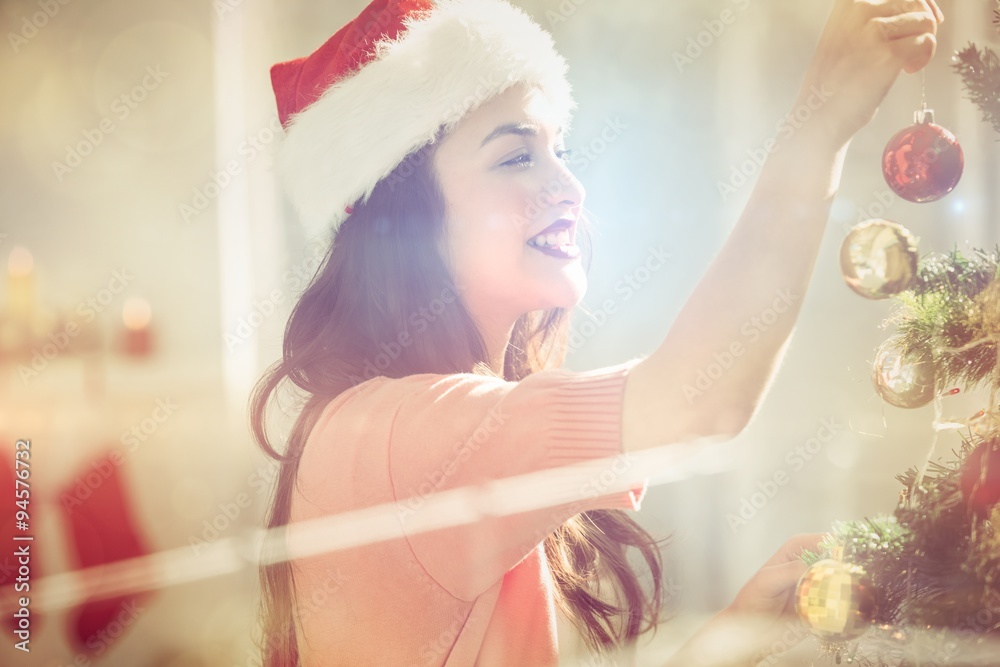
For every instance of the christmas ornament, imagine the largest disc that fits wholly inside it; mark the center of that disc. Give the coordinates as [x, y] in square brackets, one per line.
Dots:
[923, 162]
[879, 259]
[981, 477]
[836, 600]
[903, 380]
[985, 315]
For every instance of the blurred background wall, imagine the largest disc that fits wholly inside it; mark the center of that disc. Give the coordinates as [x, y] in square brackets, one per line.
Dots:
[136, 188]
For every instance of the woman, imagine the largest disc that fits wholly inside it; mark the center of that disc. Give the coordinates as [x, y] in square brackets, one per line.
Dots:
[428, 138]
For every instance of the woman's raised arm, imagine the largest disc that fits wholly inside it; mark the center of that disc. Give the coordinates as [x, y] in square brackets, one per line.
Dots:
[709, 375]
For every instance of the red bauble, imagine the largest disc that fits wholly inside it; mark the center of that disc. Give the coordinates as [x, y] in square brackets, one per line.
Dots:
[981, 477]
[924, 162]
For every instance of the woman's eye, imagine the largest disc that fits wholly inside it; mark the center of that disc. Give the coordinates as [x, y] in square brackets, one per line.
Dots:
[520, 160]
[525, 160]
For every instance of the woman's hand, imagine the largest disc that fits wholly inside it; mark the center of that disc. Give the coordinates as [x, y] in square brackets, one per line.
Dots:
[772, 250]
[760, 619]
[864, 47]
[770, 594]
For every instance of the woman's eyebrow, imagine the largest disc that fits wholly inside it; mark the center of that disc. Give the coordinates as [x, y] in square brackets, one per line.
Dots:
[521, 129]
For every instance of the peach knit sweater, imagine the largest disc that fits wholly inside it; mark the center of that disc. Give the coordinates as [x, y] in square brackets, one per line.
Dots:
[479, 594]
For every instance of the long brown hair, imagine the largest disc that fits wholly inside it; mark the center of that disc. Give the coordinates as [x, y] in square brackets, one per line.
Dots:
[383, 265]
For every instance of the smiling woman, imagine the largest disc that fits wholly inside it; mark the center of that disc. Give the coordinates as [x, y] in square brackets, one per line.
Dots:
[511, 215]
[429, 182]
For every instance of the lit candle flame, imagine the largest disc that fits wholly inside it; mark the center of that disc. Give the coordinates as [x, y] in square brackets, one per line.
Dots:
[21, 263]
[136, 314]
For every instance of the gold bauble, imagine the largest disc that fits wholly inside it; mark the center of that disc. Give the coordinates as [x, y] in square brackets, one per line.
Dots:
[985, 315]
[879, 259]
[836, 600]
[903, 380]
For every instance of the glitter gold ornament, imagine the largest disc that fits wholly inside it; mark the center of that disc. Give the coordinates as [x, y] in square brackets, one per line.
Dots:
[836, 600]
[985, 315]
[903, 380]
[879, 259]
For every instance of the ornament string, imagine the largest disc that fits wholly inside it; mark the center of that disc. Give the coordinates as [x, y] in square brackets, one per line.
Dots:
[923, 92]
[989, 417]
[938, 411]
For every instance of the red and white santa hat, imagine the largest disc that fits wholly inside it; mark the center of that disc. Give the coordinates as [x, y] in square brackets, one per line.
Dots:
[387, 82]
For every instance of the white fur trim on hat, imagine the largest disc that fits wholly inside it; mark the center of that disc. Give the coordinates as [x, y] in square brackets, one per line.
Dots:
[444, 65]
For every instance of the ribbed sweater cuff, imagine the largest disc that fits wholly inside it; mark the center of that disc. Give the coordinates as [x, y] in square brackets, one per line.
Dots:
[585, 423]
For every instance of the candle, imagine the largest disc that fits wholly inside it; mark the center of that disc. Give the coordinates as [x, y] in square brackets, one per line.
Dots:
[136, 315]
[20, 285]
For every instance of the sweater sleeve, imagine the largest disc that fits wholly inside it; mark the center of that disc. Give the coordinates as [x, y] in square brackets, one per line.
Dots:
[461, 430]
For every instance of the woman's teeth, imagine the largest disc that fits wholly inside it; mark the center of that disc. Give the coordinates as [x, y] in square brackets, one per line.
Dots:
[553, 240]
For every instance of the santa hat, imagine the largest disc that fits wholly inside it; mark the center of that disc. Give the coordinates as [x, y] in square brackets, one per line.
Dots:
[386, 83]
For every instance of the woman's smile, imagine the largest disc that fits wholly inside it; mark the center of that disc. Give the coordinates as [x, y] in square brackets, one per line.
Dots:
[558, 240]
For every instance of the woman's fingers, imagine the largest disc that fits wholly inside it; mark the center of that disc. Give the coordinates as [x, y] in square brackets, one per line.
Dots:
[938, 14]
[777, 581]
[793, 548]
[769, 590]
[915, 52]
[906, 25]
[864, 47]
[885, 8]
[910, 28]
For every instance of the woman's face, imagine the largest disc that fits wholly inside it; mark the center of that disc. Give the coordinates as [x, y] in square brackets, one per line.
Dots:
[505, 180]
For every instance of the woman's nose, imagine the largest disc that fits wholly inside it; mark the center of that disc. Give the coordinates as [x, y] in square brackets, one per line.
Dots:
[561, 186]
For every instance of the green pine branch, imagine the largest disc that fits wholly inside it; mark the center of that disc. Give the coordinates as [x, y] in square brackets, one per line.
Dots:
[980, 72]
[933, 563]
[944, 310]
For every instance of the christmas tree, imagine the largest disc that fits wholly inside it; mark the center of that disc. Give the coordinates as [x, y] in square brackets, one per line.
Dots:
[922, 586]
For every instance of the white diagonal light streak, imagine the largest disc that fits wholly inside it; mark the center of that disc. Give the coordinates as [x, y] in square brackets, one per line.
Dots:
[511, 495]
